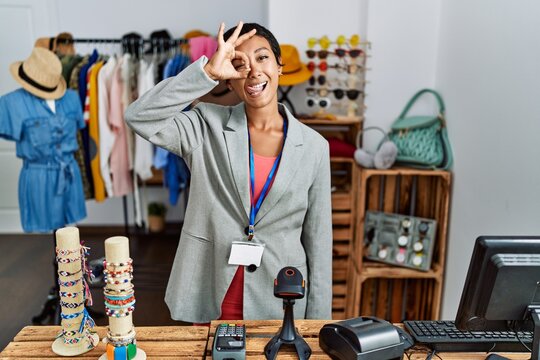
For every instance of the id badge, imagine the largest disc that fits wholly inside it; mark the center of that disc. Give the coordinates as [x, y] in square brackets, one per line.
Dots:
[246, 253]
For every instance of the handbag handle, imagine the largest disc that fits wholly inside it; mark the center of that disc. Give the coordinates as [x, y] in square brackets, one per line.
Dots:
[417, 95]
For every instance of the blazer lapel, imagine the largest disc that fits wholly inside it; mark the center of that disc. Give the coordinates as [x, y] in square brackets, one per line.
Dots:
[236, 139]
[289, 164]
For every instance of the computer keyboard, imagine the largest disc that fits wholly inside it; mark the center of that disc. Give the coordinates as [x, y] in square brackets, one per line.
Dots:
[444, 336]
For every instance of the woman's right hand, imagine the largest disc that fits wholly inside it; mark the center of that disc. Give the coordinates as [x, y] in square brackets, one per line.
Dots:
[220, 66]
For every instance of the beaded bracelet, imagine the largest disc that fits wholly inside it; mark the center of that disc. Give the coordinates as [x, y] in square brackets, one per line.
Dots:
[119, 307]
[65, 252]
[70, 294]
[118, 313]
[117, 282]
[112, 273]
[119, 297]
[67, 260]
[117, 274]
[108, 264]
[120, 302]
[71, 305]
[66, 273]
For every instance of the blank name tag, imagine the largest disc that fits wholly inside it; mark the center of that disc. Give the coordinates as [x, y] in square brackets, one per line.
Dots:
[246, 253]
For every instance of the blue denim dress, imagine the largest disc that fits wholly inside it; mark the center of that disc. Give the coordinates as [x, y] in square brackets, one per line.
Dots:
[50, 186]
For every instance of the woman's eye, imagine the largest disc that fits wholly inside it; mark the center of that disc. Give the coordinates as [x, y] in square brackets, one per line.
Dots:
[263, 57]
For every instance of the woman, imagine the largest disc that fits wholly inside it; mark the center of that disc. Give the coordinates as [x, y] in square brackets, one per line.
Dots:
[222, 230]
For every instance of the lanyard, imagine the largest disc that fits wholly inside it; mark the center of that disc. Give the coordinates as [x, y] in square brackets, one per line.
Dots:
[255, 209]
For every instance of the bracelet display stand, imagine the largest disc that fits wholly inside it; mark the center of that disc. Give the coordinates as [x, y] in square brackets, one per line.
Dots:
[119, 302]
[76, 336]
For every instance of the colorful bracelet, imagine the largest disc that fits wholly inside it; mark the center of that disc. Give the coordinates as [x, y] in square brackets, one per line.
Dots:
[67, 260]
[71, 316]
[119, 302]
[70, 294]
[117, 274]
[119, 313]
[71, 305]
[119, 307]
[117, 282]
[65, 252]
[128, 352]
[73, 341]
[108, 264]
[70, 282]
[122, 297]
[123, 291]
[112, 273]
[66, 273]
[70, 333]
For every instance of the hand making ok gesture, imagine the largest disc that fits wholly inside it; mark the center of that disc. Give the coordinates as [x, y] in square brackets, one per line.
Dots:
[220, 66]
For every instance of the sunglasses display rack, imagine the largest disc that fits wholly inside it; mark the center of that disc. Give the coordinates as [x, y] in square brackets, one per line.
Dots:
[338, 80]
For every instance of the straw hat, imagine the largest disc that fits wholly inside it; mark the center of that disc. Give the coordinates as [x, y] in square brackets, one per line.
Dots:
[40, 74]
[294, 71]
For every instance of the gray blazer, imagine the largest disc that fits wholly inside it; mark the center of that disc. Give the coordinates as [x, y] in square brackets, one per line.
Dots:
[294, 221]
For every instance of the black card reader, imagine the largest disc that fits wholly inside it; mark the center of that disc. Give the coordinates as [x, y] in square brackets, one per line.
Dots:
[229, 342]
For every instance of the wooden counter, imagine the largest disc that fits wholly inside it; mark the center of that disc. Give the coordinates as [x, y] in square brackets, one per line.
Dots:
[168, 342]
[163, 342]
[259, 332]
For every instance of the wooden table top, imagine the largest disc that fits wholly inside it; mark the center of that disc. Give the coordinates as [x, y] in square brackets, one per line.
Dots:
[168, 342]
[159, 342]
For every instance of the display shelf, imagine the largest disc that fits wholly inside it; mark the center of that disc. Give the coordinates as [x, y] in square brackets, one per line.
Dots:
[392, 292]
[376, 270]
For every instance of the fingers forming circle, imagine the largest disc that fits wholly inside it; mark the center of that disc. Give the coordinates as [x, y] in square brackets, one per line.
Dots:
[245, 37]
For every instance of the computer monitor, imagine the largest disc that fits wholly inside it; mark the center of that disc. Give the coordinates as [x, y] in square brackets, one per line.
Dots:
[502, 288]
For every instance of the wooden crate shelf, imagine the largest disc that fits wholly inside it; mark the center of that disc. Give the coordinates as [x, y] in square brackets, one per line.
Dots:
[376, 270]
[344, 174]
[391, 292]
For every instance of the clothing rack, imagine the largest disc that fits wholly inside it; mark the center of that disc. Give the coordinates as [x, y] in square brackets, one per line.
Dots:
[133, 41]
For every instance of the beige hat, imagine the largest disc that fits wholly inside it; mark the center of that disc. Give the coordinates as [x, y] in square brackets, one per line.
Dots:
[40, 74]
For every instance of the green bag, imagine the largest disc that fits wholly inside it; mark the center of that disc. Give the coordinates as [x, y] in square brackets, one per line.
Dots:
[422, 141]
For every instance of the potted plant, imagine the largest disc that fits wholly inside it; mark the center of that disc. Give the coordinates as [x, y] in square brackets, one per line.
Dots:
[156, 216]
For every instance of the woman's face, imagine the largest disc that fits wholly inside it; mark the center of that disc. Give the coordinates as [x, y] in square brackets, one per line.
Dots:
[259, 89]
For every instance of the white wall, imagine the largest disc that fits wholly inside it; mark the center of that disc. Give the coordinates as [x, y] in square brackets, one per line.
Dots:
[489, 74]
[404, 37]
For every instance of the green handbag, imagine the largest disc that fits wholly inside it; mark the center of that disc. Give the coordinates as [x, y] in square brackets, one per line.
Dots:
[422, 141]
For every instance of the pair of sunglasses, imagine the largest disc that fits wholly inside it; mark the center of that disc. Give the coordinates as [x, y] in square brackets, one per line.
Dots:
[353, 53]
[321, 79]
[323, 66]
[322, 102]
[340, 52]
[352, 94]
[322, 92]
[349, 68]
[321, 54]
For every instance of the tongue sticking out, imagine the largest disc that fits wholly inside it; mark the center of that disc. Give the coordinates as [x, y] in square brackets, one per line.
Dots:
[255, 90]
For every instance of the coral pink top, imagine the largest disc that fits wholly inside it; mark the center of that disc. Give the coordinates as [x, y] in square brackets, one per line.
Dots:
[233, 303]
